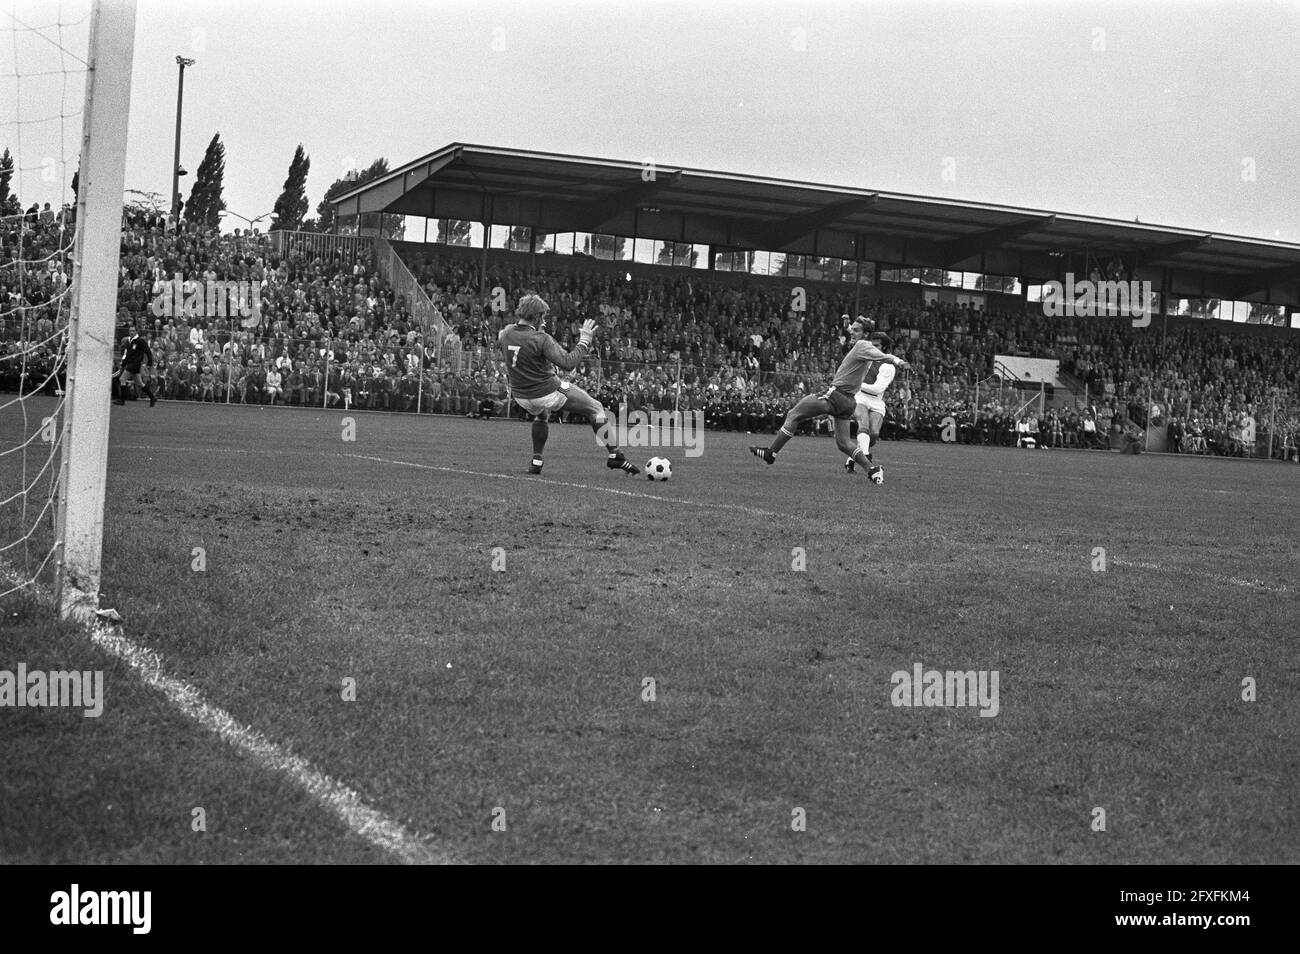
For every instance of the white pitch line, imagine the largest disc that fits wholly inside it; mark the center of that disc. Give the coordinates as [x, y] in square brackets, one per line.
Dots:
[364, 821]
[1213, 577]
[538, 479]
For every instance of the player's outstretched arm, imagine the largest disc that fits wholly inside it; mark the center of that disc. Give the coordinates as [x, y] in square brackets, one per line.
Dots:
[569, 360]
[875, 354]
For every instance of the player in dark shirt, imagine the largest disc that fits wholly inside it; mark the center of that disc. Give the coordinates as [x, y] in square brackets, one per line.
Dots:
[531, 357]
[135, 353]
[838, 400]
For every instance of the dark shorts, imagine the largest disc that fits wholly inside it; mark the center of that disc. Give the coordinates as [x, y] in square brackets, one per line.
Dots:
[841, 405]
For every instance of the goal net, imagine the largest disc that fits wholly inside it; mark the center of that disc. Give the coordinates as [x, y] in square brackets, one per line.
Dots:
[65, 71]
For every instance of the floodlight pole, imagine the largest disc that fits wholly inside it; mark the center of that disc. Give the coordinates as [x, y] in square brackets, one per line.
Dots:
[96, 254]
[181, 62]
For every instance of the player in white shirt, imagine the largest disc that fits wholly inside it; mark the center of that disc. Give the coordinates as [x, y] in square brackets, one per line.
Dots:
[869, 412]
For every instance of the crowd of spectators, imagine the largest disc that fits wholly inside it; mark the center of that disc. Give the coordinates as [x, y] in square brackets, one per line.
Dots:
[320, 329]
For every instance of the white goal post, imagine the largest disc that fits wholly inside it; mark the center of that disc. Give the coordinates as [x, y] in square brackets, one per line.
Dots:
[96, 253]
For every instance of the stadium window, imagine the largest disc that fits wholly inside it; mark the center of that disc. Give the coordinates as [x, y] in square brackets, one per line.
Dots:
[645, 251]
[412, 228]
[1200, 307]
[724, 261]
[1295, 319]
[520, 238]
[604, 247]
[973, 281]
[685, 255]
[1034, 293]
[457, 232]
[794, 266]
[499, 236]
[848, 271]
[623, 249]
[346, 225]
[814, 268]
[699, 256]
[760, 263]
[564, 243]
[911, 276]
[1264, 314]
[866, 273]
[776, 263]
[477, 235]
[889, 275]
[954, 279]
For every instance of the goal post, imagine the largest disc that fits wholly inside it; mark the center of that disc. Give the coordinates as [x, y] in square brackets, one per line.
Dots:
[96, 255]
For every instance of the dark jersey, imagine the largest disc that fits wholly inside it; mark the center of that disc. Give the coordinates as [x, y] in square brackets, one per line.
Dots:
[531, 359]
[849, 375]
[135, 354]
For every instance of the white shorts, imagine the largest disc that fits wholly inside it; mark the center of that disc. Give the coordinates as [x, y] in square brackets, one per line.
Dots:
[870, 401]
[550, 402]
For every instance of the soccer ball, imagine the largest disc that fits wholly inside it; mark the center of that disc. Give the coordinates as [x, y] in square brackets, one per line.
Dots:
[658, 468]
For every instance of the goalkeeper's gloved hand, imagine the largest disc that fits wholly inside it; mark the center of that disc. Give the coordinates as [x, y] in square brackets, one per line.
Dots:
[587, 332]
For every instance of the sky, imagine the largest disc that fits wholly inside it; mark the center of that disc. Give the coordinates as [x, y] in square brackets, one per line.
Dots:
[1179, 114]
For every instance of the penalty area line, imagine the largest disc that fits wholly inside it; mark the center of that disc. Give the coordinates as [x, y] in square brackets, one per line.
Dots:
[362, 820]
[538, 479]
[367, 823]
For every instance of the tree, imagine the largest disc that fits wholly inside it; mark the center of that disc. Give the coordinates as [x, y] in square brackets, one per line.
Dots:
[292, 204]
[144, 203]
[520, 237]
[609, 247]
[206, 204]
[678, 253]
[9, 203]
[1261, 314]
[454, 231]
[346, 183]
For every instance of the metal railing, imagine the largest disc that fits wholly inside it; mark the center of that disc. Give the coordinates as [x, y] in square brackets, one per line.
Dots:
[405, 285]
[322, 245]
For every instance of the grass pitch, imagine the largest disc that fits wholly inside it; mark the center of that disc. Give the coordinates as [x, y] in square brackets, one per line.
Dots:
[521, 695]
